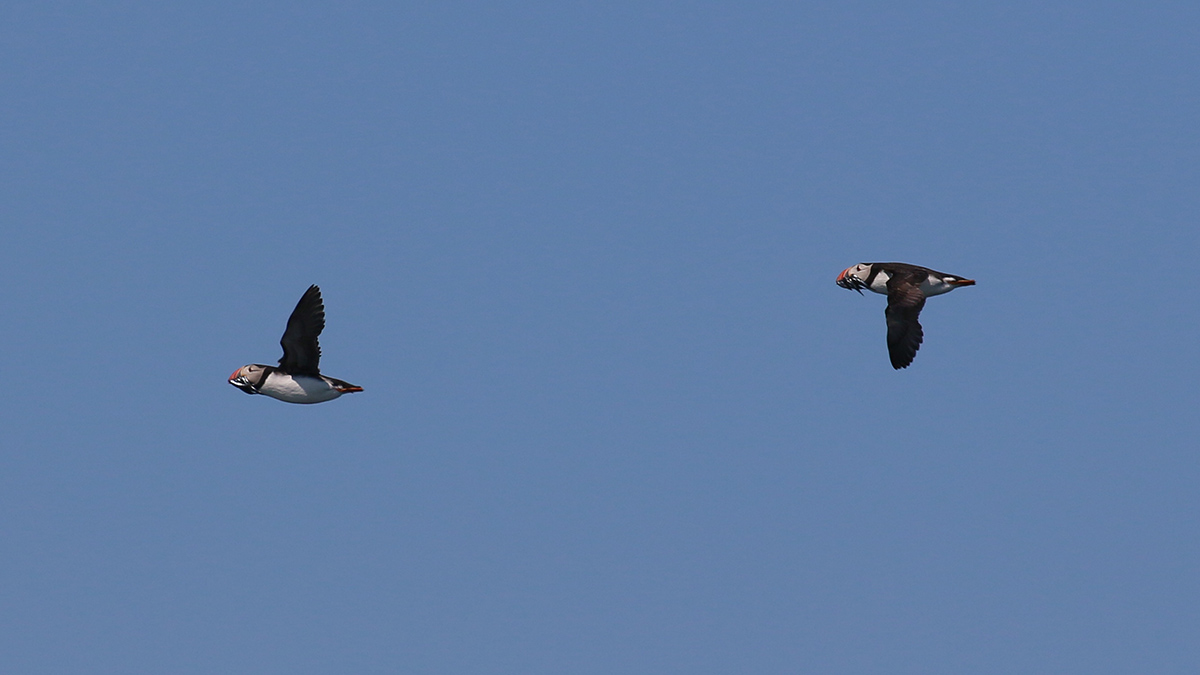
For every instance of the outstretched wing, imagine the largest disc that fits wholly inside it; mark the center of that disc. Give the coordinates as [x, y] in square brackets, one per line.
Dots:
[301, 353]
[904, 335]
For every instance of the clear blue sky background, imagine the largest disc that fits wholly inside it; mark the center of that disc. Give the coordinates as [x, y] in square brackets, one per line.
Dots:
[618, 418]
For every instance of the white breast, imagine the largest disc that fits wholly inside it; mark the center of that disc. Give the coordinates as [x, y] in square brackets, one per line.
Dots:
[879, 283]
[298, 388]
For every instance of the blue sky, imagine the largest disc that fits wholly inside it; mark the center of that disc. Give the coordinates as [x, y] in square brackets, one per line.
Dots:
[618, 418]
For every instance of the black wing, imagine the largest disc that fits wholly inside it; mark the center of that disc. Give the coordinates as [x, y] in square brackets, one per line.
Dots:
[301, 353]
[904, 336]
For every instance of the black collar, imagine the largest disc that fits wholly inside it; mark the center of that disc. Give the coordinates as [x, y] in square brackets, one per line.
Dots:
[266, 372]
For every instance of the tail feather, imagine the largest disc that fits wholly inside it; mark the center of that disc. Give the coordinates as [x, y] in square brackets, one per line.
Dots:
[343, 386]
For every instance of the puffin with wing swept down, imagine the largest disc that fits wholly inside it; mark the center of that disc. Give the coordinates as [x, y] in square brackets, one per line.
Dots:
[906, 286]
[296, 379]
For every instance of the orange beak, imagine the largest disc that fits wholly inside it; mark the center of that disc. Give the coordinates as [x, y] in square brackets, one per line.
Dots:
[235, 374]
[964, 282]
[843, 274]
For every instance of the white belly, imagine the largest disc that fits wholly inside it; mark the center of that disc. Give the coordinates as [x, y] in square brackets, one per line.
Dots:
[935, 286]
[298, 388]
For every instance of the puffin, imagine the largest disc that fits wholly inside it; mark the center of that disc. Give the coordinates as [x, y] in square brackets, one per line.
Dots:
[296, 379]
[906, 286]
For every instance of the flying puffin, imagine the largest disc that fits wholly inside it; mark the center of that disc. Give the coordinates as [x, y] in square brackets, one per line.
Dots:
[906, 286]
[296, 378]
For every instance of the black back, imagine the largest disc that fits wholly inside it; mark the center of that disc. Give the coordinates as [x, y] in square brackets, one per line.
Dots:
[915, 273]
